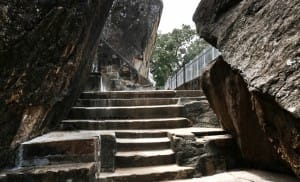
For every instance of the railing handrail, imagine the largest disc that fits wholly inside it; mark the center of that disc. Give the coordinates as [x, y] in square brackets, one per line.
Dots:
[189, 72]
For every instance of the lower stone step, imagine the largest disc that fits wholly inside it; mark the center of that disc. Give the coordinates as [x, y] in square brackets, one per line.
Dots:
[144, 158]
[124, 124]
[130, 112]
[57, 148]
[141, 134]
[148, 174]
[62, 172]
[143, 144]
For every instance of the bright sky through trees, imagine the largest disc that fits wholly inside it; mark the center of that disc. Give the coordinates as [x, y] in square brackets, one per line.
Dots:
[176, 13]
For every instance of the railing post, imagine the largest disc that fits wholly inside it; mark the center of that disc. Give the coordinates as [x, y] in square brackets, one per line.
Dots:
[176, 80]
[184, 74]
[197, 66]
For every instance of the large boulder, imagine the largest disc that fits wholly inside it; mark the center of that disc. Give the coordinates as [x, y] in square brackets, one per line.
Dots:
[256, 91]
[230, 99]
[130, 32]
[46, 49]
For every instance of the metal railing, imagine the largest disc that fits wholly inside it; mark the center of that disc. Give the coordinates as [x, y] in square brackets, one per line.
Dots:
[192, 69]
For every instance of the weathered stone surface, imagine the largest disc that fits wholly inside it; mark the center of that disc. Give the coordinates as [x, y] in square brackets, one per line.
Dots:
[244, 175]
[148, 174]
[117, 73]
[198, 111]
[63, 172]
[231, 101]
[208, 154]
[194, 84]
[257, 95]
[107, 153]
[221, 154]
[201, 114]
[45, 54]
[187, 149]
[131, 31]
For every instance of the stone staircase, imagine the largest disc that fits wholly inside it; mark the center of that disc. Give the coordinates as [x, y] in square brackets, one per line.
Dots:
[139, 120]
[111, 136]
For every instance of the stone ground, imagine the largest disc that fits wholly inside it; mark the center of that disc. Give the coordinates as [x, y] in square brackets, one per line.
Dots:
[247, 175]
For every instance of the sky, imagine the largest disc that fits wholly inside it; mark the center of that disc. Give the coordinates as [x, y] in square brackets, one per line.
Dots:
[176, 13]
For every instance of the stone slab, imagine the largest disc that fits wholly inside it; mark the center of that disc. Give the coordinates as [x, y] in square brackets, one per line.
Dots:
[245, 176]
[62, 172]
[144, 158]
[141, 94]
[132, 112]
[148, 174]
[120, 124]
[126, 102]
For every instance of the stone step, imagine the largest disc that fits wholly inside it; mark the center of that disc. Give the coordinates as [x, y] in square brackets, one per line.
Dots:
[140, 94]
[210, 132]
[144, 158]
[143, 144]
[217, 139]
[126, 102]
[141, 134]
[148, 174]
[125, 124]
[133, 101]
[56, 149]
[133, 112]
[61, 172]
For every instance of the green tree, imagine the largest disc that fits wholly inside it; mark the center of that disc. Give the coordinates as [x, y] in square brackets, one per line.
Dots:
[172, 50]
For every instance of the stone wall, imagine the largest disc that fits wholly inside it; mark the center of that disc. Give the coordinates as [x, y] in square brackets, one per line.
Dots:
[46, 49]
[255, 91]
[199, 112]
[194, 84]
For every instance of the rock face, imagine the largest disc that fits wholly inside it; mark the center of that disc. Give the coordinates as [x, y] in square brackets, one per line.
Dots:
[131, 31]
[208, 153]
[46, 50]
[115, 72]
[201, 114]
[231, 101]
[257, 94]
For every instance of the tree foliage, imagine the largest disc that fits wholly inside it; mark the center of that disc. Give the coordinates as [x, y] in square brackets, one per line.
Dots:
[172, 50]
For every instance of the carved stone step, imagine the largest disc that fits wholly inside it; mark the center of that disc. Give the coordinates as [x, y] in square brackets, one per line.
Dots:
[217, 139]
[140, 94]
[61, 172]
[140, 134]
[143, 144]
[144, 158]
[57, 148]
[212, 132]
[125, 124]
[148, 174]
[133, 101]
[133, 112]
[125, 102]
